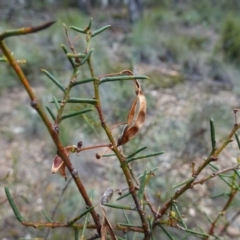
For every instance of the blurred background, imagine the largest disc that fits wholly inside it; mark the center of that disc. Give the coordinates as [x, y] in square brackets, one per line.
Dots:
[191, 52]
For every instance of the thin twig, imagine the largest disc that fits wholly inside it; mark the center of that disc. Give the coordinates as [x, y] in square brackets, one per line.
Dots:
[231, 197]
[212, 157]
[214, 174]
[58, 203]
[222, 212]
[79, 226]
[224, 228]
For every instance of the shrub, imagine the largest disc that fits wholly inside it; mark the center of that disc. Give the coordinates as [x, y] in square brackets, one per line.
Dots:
[230, 39]
[143, 216]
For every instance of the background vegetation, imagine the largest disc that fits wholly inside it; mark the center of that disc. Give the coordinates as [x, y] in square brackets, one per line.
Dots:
[191, 51]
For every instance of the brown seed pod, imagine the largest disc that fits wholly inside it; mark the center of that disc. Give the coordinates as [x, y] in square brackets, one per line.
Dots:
[136, 116]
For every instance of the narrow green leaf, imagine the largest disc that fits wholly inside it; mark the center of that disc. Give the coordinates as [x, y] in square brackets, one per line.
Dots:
[142, 187]
[237, 172]
[72, 114]
[146, 156]
[122, 78]
[150, 223]
[79, 100]
[126, 217]
[3, 59]
[86, 57]
[166, 232]
[185, 237]
[95, 33]
[229, 184]
[183, 183]
[76, 234]
[70, 223]
[76, 55]
[138, 151]
[227, 175]
[150, 171]
[209, 220]
[83, 81]
[82, 100]
[46, 216]
[53, 79]
[78, 29]
[91, 124]
[89, 24]
[215, 168]
[213, 138]
[13, 205]
[91, 194]
[219, 195]
[69, 59]
[51, 113]
[126, 225]
[179, 215]
[87, 217]
[238, 141]
[109, 155]
[119, 206]
[56, 103]
[196, 233]
[123, 196]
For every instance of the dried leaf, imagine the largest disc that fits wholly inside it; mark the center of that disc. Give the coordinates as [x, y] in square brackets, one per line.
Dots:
[131, 113]
[128, 133]
[107, 196]
[58, 164]
[136, 116]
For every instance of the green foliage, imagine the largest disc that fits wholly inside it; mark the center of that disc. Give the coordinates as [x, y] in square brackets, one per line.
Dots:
[230, 39]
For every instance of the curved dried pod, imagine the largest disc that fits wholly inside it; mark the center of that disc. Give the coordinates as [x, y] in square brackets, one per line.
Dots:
[58, 164]
[136, 116]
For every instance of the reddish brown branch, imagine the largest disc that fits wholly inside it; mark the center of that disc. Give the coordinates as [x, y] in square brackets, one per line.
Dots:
[214, 174]
[25, 30]
[227, 204]
[224, 229]
[79, 226]
[52, 131]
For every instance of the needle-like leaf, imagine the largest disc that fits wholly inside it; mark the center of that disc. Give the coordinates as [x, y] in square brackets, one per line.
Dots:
[95, 33]
[79, 100]
[145, 156]
[72, 114]
[78, 29]
[213, 137]
[51, 113]
[53, 79]
[13, 205]
[83, 81]
[69, 59]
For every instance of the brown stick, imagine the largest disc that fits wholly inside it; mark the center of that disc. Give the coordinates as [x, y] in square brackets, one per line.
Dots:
[51, 129]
